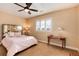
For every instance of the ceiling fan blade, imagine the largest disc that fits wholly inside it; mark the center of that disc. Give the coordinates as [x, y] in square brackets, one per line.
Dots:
[29, 12]
[28, 4]
[21, 10]
[33, 10]
[19, 5]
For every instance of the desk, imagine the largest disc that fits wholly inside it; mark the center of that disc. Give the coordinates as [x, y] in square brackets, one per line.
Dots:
[63, 39]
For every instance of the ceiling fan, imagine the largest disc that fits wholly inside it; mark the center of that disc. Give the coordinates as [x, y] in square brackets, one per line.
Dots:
[27, 7]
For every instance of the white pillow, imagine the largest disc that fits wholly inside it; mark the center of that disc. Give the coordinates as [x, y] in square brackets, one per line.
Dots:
[17, 33]
[6, 35]
[11, 34]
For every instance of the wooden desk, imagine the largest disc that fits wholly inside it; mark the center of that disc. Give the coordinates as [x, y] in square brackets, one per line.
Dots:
[63, 39]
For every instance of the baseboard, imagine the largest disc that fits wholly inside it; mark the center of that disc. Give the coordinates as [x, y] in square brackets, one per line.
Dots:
[68, 47]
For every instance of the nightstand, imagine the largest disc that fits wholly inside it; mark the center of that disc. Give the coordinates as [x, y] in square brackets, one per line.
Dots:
[26, 33]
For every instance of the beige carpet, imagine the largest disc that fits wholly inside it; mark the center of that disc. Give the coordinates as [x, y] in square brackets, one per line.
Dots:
[2, 51]
[41, 49]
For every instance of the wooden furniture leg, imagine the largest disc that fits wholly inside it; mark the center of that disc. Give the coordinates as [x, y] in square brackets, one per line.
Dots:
[48, 41]
[63, 42]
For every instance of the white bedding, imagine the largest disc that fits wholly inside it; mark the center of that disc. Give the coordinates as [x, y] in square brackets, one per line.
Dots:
[17, 44]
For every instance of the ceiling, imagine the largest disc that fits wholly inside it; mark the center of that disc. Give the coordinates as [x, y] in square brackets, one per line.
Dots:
[41, 7]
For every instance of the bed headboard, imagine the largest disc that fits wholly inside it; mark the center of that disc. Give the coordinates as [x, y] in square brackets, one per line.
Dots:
[11, 28]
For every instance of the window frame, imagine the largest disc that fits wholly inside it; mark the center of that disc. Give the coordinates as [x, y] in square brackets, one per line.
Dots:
[45, 30]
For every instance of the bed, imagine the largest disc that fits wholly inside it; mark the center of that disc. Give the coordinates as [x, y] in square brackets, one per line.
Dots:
[16, 43]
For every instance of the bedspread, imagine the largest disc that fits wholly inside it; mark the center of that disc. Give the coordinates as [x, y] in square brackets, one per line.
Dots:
[17, 44]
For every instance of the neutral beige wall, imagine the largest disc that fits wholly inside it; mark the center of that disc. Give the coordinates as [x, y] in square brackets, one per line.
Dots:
[78, 25]
[6, 18]
[66, 18]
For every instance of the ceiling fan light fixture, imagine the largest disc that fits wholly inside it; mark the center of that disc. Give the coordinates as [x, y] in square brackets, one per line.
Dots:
[26, 10]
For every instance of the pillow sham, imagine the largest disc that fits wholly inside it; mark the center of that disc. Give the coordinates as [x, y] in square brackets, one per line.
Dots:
[11, 34]
[17, 33]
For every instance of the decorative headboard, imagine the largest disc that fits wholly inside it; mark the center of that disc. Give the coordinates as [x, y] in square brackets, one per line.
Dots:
[11, 28]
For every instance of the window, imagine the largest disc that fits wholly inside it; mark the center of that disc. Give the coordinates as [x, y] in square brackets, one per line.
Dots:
[38, 25]
[44, 25]
[48, 25]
